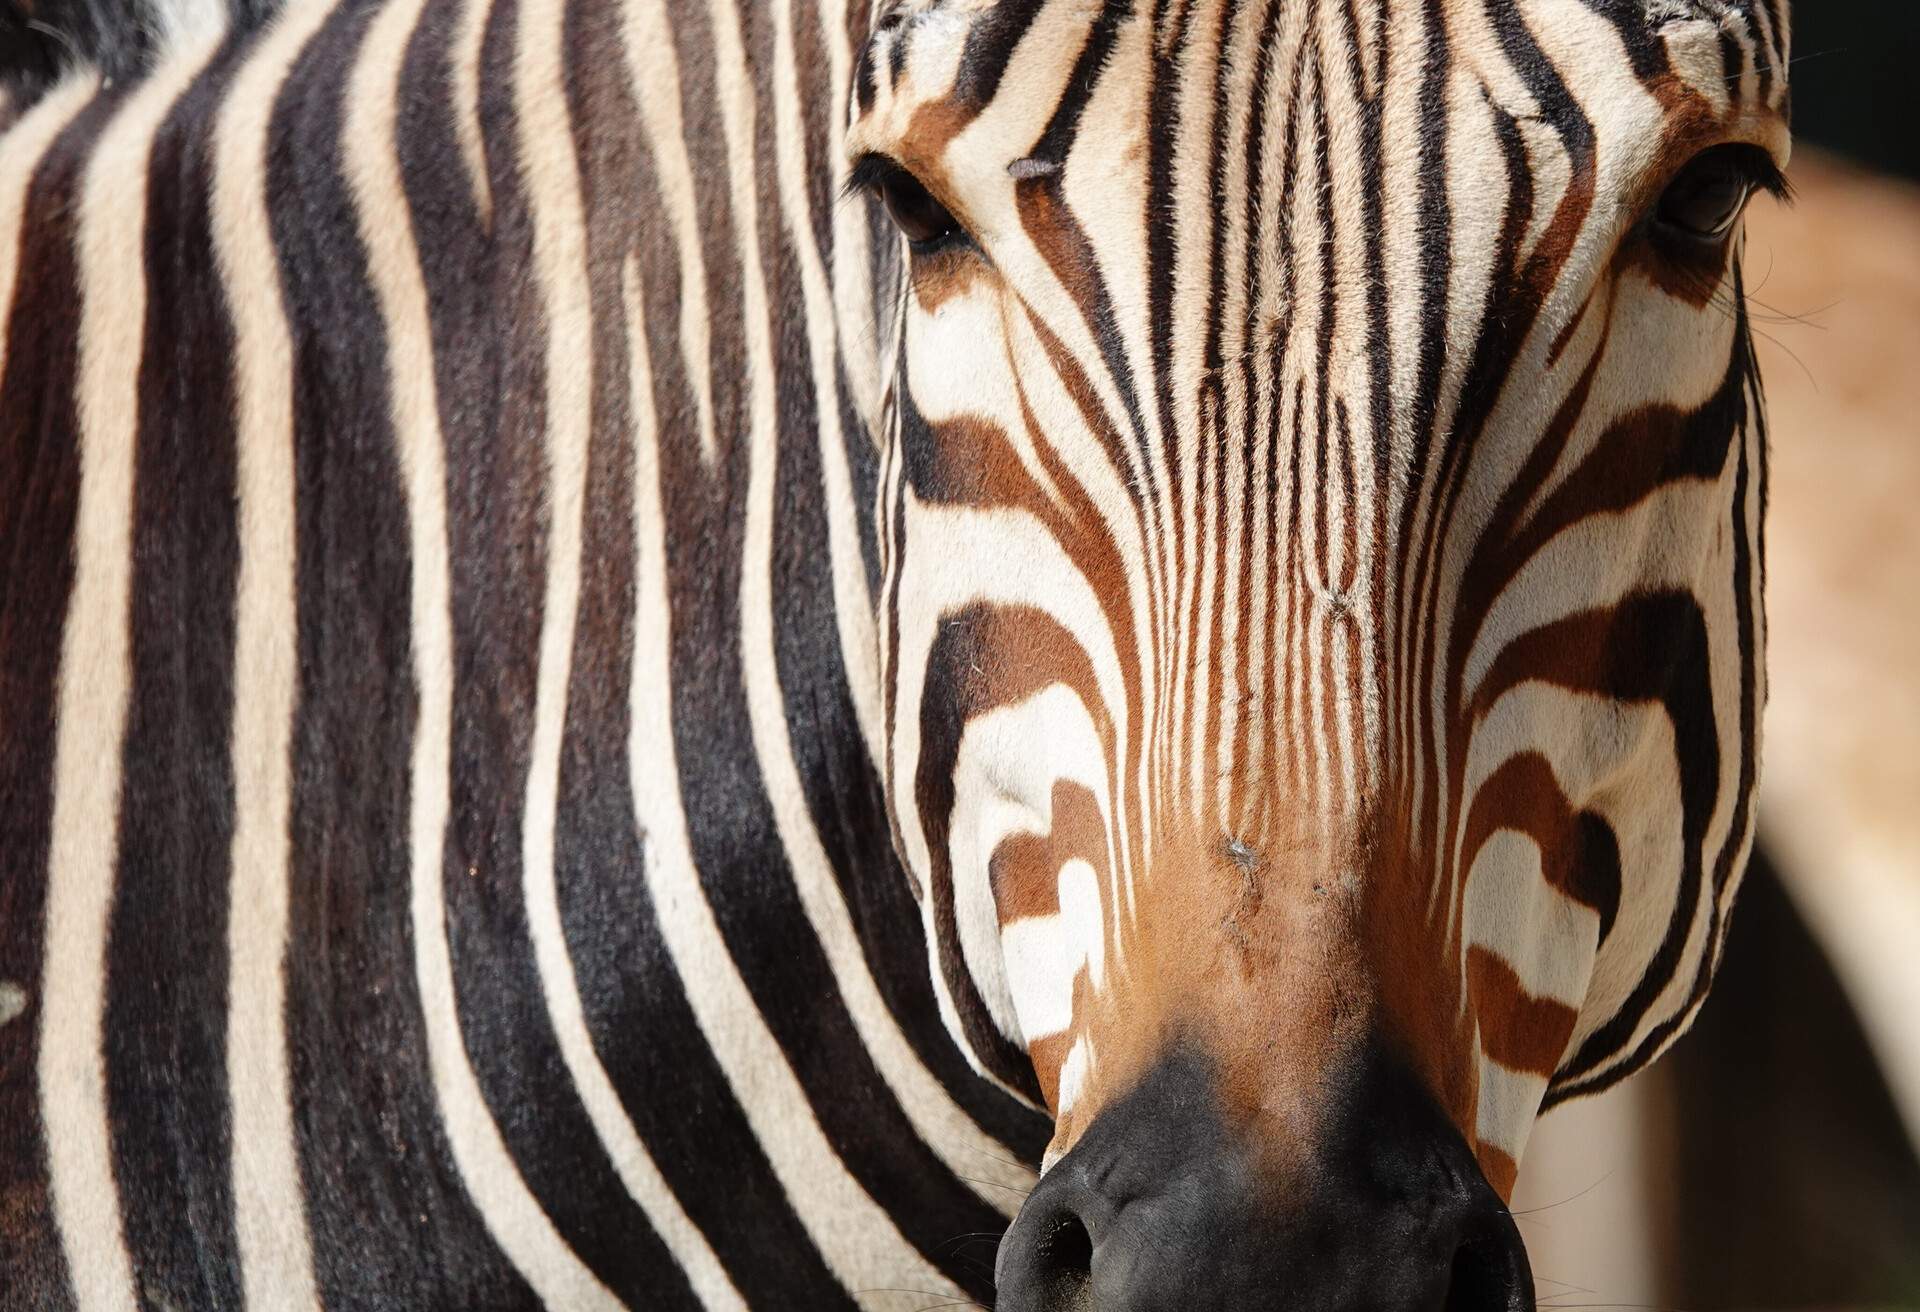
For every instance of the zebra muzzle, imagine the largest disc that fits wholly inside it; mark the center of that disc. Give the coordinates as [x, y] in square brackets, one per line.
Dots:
[1164, 1204]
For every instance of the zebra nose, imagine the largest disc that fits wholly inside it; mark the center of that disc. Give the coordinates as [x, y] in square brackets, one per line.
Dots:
[1161, 1207]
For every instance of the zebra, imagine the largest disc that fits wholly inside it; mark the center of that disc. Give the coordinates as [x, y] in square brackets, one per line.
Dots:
[1062, 653]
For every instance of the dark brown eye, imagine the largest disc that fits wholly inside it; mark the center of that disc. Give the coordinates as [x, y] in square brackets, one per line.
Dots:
[924, 221]
[915, 212]
[1706, 200]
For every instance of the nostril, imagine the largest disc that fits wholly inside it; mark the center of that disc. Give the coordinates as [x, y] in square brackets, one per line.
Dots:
[1470, 1285]
[1488, 1276]
[1068, 1248]
[1066, 1259]
[1058, 1278]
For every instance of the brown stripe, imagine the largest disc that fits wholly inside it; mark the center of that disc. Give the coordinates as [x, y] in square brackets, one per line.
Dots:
[1517, 1029]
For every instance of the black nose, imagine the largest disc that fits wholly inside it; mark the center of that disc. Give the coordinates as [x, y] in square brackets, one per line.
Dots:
[1163, 1206]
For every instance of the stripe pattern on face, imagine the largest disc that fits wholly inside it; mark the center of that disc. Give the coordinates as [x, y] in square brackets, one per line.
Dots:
[1321, 531]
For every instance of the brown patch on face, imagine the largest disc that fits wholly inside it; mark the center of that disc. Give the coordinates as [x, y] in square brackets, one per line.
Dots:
[1245, 950]
[1415, 971]
[1518, 1030]
[938, 278]
[1049, 1054]
[1024, 869]
[934, 125]
[1059, 238]
[1500, 1169]
[967, 460]
[1691, 276]
[1579, 856]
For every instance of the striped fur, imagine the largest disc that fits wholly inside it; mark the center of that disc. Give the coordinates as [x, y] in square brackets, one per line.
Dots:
[374, 582]
[582, 728]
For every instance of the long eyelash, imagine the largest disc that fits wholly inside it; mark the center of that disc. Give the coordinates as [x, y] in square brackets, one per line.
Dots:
[869, 171]
[1767, 177]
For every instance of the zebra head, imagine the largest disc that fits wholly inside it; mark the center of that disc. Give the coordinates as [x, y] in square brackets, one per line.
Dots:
[1320, 522]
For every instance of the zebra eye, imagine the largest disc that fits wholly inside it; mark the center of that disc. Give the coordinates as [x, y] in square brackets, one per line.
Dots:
[1706, 200]
[922, 220]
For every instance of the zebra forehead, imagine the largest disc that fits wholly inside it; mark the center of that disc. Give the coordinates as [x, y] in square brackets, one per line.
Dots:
[930, 67]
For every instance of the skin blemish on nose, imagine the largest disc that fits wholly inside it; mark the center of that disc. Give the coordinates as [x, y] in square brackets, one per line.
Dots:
[1248, 863]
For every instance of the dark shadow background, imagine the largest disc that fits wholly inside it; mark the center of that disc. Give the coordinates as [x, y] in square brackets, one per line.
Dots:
[1796, 1185]
[1856, 80]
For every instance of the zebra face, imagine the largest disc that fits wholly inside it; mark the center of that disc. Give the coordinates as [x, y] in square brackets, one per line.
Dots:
[1320, 518]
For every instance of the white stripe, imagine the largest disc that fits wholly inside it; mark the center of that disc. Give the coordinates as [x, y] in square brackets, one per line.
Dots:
[469, 37]
[511, 1213]
[276, 1257]
[95, 675]
[1075, 1070]
[1507, 1104]
[656, 80]
[560, 262]
[856, 1237]
[21, 147]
